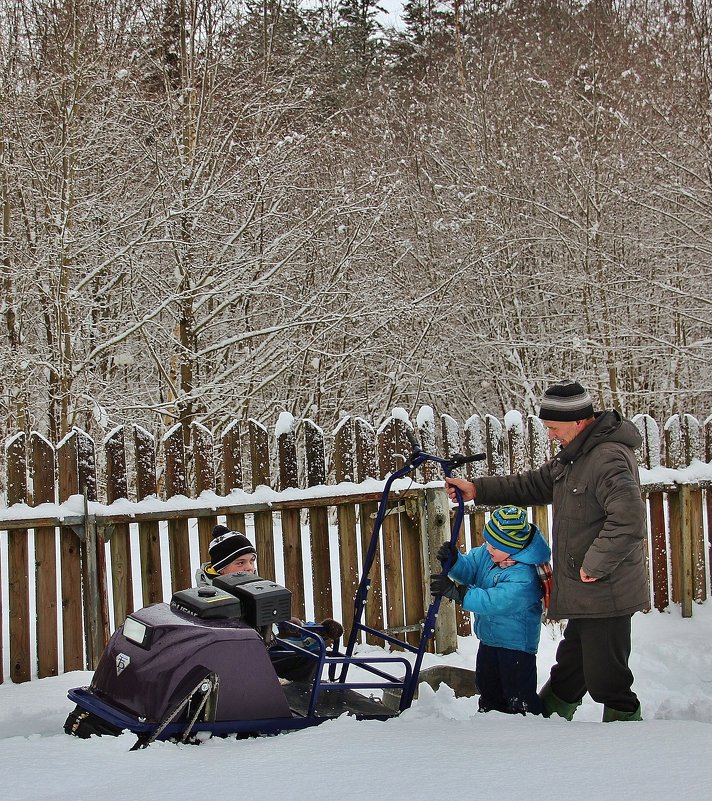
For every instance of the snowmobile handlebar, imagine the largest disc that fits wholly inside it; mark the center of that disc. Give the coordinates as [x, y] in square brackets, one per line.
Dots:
[418, 457]
[448, 464]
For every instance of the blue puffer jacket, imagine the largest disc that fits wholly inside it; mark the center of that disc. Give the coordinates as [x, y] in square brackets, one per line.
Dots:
[506, 600]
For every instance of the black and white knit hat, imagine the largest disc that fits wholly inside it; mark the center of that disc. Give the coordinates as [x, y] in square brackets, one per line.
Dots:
[226, 546]
[566, 402]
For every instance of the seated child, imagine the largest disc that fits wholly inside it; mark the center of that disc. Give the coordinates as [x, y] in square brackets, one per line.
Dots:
[500, 583]
[231, 552]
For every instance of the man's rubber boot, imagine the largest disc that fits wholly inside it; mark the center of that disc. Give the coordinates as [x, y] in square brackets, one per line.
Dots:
[553, 705]
[610, 715]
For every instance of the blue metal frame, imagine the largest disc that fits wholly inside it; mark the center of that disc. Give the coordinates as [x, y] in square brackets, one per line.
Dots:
[417, 458]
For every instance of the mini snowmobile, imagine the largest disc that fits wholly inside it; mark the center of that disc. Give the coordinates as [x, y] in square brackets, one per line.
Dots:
[198, 666]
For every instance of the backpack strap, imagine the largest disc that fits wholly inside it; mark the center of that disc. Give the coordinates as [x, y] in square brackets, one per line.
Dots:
[546, 579]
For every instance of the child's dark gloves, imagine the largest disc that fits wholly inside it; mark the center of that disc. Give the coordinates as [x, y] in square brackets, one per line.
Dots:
[442, 585]
[445, 551]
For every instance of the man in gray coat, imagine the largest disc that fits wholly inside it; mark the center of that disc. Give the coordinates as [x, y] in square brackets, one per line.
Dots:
[598, 544]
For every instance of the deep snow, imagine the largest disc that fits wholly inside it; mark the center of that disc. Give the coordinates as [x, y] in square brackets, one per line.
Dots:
[440, 748]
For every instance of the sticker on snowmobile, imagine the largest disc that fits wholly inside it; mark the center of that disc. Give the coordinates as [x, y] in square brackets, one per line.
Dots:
[122, 662]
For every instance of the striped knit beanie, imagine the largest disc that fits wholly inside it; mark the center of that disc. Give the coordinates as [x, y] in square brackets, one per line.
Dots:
[226, 546]
[566, 402]
[507, 529]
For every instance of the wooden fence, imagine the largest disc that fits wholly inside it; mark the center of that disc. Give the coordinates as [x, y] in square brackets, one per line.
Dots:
[92, 533]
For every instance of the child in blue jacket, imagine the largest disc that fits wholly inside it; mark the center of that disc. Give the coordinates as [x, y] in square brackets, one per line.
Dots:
[499, 582]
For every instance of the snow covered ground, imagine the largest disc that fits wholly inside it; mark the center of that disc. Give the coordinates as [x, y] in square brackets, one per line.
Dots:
[440, 748]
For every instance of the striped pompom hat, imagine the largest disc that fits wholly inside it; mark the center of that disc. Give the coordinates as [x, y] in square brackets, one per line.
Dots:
[507, 529]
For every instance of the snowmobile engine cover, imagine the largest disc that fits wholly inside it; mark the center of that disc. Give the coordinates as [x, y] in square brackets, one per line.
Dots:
[263, 601]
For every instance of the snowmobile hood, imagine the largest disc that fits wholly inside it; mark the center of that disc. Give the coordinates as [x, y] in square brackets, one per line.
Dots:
[147, 678]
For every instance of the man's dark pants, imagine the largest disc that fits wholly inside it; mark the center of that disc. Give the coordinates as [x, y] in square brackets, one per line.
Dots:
[593, 656]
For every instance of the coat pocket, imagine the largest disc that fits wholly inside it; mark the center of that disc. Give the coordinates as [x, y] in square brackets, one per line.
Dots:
[578, 496]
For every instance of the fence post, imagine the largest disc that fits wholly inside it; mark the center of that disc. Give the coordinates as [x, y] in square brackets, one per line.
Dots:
[494, 444]
[437, 511]
[650, 458]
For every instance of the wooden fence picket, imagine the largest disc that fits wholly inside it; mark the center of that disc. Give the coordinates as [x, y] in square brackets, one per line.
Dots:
[415, 577]
[43, 487]
[649, 457]
[692, 447]
[264, 534]
[148, 530]
[94, 572]
[538, 442]
[119, 541]
[707, 440]
[231, 443]
[516, 446]
[71, 567]
[17, 565]
[366, 467]
[426, 436]
[344, 468]
[474, 443]
[451, 446]
[291, 518]
[678, 560]
[388, 448]
[494, 446]
[414, 574]
[203, 455]
[318, 523]
[176, 483]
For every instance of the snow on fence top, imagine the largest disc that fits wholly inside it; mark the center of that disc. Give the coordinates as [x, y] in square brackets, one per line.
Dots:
[246, 456]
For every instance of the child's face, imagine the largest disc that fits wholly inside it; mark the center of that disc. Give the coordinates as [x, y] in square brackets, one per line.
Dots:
[497, 555]
[243, 564]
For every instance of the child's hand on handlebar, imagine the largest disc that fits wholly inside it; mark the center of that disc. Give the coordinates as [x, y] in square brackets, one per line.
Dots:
[467, 488]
